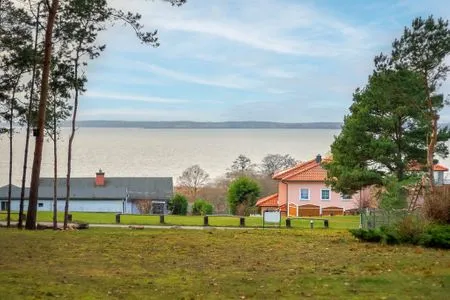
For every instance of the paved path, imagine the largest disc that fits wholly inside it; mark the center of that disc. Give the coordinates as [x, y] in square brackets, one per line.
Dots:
[14, 224]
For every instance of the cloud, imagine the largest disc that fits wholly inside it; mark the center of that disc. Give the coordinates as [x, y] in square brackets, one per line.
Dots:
[227, 81]
[128, 97]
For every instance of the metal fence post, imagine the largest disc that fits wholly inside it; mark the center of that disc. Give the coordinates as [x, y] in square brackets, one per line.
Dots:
[288, 223]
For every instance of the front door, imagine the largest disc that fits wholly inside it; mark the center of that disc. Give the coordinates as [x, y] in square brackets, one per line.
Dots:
[4, 205]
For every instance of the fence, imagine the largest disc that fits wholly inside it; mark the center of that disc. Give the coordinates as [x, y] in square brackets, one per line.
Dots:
[376, 218]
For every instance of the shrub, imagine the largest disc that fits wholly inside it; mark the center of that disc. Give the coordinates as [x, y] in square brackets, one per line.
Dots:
[436, 236]
[367, 235]
[201, 207]
[178, 205]
[242, 194]
[410, 229]
[437, 205]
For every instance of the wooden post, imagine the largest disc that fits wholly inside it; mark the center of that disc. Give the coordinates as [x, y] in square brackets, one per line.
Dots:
[288, 223]
[205, 221]
[118, 218]
[325, 223]
[161, 219]
[242, 222]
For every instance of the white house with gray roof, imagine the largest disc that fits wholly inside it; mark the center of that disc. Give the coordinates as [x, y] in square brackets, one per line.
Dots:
[99, 194]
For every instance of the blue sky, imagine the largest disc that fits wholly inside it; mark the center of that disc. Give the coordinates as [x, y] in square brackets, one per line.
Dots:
[262, 60]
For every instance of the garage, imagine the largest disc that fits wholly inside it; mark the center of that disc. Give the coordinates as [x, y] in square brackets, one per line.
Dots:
[332, 211]
[309, 210]
[292, 210]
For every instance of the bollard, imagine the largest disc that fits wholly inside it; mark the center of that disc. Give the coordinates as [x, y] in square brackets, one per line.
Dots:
[325, 223]
[118, 218]
[288, 223]
[205, 221]
[242, 222]
[311, 223]
[161, 219]
[69, 218]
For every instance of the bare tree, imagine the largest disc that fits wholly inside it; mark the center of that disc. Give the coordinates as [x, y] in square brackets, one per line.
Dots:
[242, 165]
[192, 179]
[272, 163]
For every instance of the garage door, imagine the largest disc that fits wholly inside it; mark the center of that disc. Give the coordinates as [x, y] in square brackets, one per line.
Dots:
[292, 210]
[332, 211]
[308, 210]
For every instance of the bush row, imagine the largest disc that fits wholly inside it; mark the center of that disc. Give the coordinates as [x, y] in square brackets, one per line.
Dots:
[435, 236]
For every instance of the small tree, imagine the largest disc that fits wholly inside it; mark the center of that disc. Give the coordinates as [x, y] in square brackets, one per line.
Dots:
[272, 163]
[202, 207]
[242, 192]
[192, 179]
[178, 205]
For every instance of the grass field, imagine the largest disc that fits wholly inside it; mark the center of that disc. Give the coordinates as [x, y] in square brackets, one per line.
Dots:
[215, 264]
[336, 222]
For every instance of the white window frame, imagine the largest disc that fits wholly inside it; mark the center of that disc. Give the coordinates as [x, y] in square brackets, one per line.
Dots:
[329, 194]
[300, 194]
[346, 199]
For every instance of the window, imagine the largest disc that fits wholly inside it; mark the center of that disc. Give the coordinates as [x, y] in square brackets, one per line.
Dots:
[325, 194]
[304, 194]
[40, 204]
[346, 197]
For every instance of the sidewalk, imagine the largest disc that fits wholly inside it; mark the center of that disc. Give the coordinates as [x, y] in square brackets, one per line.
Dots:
[14, 224]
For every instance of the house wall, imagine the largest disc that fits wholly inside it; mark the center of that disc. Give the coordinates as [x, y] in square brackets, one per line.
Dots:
[75, 205]
[315, 196]
[281, 193]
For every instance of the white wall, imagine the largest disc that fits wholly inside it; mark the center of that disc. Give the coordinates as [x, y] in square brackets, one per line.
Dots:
[75, 205]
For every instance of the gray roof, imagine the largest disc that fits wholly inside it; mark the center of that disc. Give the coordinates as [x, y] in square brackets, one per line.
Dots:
[114, 188]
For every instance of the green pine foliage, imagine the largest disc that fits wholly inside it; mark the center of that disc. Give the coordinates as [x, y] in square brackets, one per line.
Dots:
[385, 130]
[242, 194]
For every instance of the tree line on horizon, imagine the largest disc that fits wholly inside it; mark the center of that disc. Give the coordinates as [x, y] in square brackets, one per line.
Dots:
[45, 49]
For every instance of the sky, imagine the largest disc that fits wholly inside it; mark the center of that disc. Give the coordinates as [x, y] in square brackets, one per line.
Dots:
[235, 60]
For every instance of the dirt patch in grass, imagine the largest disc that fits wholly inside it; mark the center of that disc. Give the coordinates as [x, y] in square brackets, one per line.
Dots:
[212, 264]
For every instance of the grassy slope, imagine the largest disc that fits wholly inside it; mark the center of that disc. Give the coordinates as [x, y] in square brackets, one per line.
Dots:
[190, 264]
[109, 218]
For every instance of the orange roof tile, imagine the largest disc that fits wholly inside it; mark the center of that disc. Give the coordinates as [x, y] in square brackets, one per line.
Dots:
[415, 166]
[269, 201]
[307, 171]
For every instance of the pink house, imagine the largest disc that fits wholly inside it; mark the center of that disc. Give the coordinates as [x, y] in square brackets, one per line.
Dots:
[303, 190]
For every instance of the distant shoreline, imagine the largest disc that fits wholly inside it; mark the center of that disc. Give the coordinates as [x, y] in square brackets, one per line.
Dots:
[205, 125]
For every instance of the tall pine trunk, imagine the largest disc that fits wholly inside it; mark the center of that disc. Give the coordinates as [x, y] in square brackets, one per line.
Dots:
[72, 136]
[55, 168]
[11, 115]
[29, 114]
[35, 174]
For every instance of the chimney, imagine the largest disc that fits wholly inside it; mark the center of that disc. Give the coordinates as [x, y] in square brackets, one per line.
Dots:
[100, 178]
[318, 158]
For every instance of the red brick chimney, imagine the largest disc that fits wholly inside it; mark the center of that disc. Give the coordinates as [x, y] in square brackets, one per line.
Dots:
[100, 178]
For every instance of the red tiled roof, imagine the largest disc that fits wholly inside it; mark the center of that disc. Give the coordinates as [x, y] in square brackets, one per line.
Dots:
[269, 201]
[414, 166]
[307, 171]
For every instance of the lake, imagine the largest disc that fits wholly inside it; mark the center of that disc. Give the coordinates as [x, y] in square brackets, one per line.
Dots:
[123, 152]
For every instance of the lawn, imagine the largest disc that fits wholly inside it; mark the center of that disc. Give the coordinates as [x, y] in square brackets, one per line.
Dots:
[336, 222]
[215, 264]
